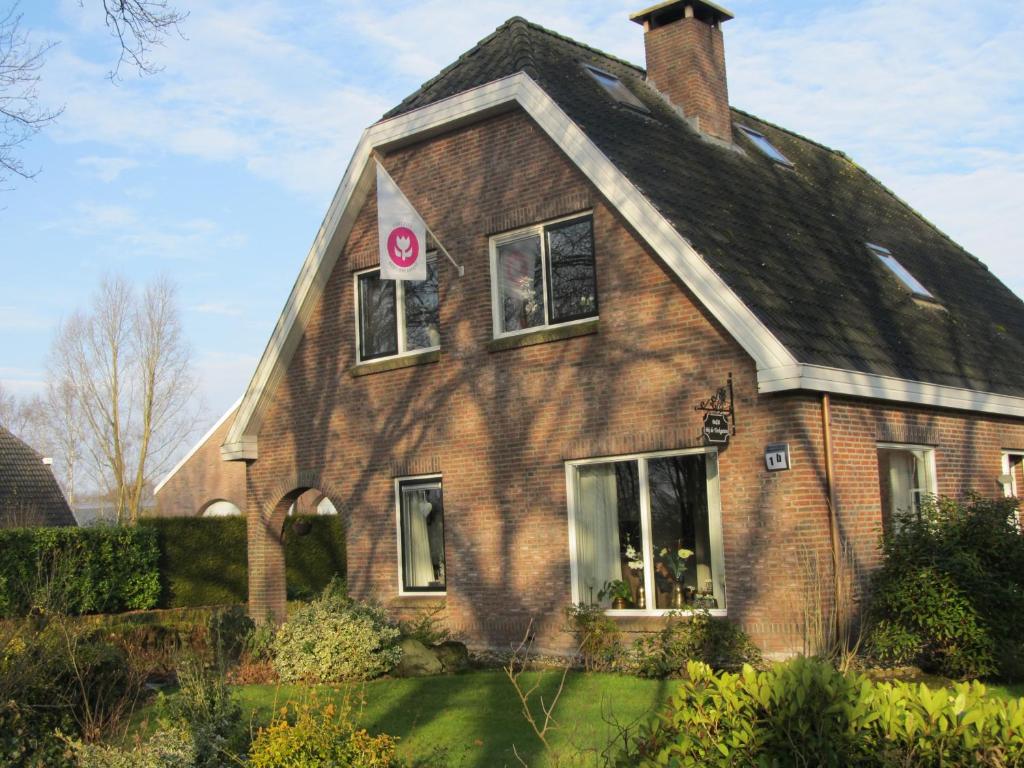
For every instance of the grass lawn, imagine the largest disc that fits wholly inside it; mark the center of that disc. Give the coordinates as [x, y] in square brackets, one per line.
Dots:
[474, 719]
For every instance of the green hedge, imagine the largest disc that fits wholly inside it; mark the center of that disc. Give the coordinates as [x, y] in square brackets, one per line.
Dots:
[79, 570]
[203, 560]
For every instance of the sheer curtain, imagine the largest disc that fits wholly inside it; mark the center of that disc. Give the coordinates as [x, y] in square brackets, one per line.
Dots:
[419, 569]
[597, 530]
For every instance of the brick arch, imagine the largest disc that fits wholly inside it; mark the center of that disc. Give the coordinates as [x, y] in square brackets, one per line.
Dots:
[210, 502]
[267, 594]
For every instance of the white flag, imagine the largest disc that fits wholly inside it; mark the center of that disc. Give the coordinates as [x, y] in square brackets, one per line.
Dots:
[401, 231]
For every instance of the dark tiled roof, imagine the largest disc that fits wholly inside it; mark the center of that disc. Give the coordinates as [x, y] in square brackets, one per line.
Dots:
[29, 494]
[789, 242]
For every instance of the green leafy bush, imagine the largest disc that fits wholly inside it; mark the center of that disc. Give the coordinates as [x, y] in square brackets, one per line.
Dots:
[306, 736]
[335, 638]
[598, 640]
[950, 595]
[204, 561]
[229, 631]
[105, 569]
[167, 748]
[806, 713]
[714, 640]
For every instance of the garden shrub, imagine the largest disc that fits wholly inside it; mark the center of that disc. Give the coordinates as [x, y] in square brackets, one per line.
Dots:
[166, 748]
[335, 638]
[597, 636]
[206, 709]
[806, 713]
[229, 631]
[104, 569]
[204, 561]
[716, 641]
[950, 595]
[307, 736]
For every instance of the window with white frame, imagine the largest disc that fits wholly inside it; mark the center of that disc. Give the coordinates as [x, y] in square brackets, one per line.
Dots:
[1013, 473]
[647, 529]
[906, 475]
[543, 275]
[420, 534]
[396, 317]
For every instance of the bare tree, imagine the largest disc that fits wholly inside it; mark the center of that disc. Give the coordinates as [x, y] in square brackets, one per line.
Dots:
[21, 115]
[132, 385]
[138, 25]
[66, 431]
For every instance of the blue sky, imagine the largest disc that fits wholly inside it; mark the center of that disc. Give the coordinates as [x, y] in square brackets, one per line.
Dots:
[217, 171]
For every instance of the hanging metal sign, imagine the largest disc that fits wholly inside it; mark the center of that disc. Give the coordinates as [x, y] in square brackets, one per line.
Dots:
[719, 415]
[716, 428]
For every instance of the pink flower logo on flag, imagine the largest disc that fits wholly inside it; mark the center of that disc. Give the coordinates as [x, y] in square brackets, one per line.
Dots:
[403, 247]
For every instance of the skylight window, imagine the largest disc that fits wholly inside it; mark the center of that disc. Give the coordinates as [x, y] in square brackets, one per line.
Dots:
[766, 147]
[616, 88]
[909, 281]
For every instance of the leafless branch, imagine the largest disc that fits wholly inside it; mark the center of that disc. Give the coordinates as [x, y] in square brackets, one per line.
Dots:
[139, 25]
[21, 115]
[514, 670]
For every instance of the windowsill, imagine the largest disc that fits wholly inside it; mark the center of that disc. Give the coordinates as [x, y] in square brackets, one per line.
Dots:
[423, 595]
[545, 334]
[654, 613]
[394, 363]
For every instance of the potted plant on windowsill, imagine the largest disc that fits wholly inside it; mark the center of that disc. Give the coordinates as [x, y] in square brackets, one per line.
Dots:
[619, 591]
[676, 564]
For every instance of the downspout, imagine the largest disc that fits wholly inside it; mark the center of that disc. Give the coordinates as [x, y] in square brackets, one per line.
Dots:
[833, 525]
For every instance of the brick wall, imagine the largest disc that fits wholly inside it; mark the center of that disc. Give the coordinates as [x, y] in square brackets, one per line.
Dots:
[204, 478]
[686, 62]
[499, 425]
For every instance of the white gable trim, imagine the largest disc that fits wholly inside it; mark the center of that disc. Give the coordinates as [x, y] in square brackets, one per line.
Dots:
[197, 446]
[777, 368]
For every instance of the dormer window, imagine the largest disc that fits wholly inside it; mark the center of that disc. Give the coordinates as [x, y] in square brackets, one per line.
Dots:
[767, 148]
[616, 88]
[910, 282]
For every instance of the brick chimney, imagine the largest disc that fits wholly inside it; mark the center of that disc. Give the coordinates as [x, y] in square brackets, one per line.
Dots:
[686, 60]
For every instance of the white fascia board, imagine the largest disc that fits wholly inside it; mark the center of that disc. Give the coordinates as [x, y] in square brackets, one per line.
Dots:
[197, 446]
[856, 384]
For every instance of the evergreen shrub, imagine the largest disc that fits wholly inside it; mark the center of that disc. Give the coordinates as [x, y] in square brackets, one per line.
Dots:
[104, 569]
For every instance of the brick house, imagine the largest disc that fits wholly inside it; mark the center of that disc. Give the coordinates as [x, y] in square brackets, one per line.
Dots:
[633, 248]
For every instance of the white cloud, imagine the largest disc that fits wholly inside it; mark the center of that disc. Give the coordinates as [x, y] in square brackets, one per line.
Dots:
[22, 381]
[108, 169]
[216, 308]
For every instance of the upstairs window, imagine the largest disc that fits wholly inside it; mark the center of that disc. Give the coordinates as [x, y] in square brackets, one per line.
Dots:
[616, 88]
[910, 282]
[906, 475]
[767, 148]
[544, 275]
[397, 317]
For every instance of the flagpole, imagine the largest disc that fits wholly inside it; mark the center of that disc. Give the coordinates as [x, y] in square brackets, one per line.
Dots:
[462, 269]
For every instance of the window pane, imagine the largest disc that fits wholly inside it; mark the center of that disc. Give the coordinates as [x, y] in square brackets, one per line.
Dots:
[905, 481]
[679, 521]
[572, 281]
[520, 284]
[422, 536]
[378, 328]
[421, 308]
[607, 528]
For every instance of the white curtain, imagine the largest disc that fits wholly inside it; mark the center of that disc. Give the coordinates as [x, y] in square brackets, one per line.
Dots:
[419, 569]
[902, 466]
[597, 530]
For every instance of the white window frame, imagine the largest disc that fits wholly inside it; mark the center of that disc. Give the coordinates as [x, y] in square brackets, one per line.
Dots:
[929, 451]
[754, 135]
[1010, 489]
[517, 234]
[400, 317]
[402, 592]
[715, 537]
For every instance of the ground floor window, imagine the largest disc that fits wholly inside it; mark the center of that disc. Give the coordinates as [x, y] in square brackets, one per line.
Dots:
[421, 535]
[906, 475]
[647, 530]
[1013, 473]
